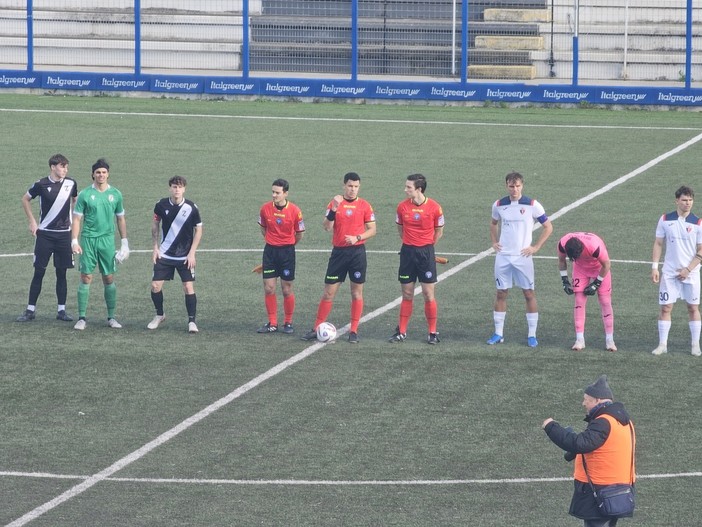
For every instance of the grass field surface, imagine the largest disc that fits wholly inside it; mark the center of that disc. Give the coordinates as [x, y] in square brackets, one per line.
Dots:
[228, 427]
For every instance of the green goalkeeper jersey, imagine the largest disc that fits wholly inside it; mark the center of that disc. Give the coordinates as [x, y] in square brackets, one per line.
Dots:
[99, 210]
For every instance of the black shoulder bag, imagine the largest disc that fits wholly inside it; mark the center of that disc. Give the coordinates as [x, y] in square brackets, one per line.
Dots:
[615, 501]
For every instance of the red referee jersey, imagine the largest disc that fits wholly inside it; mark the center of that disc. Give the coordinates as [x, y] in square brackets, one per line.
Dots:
[419, 221]
[351, 218]
[281, 224]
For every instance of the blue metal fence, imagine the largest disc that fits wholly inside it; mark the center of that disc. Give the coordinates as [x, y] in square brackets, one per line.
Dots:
[352, 76]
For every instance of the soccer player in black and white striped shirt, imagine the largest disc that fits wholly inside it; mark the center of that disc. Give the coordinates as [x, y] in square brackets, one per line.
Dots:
[57, 195]
[178, 220]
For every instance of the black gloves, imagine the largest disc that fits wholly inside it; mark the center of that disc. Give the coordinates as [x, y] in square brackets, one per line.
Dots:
[592, 287]
[566, 285]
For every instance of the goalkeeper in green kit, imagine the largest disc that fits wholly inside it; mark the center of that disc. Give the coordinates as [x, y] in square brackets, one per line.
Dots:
[95, 211]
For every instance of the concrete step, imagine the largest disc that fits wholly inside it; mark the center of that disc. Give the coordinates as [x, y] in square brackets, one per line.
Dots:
[592, 71]
[502, 72]
[640, 37]
[223, 28]
[652, 29]
[607, 65]
[408, 32]
[427, 53]
[506, 43]
[609, 56]
[192, 7]
[618, 14]
[395, 60]
[517, 15]
[391, 9]
[66, 53]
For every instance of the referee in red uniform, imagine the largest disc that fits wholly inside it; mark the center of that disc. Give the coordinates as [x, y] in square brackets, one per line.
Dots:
[282, 227]
[420, 223]
[352, 221]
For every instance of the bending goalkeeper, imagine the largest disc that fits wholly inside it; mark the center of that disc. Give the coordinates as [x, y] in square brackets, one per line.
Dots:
[591, 275]
[95, 211]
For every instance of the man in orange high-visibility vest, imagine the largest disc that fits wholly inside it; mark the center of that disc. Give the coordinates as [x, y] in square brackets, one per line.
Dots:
[608, 445]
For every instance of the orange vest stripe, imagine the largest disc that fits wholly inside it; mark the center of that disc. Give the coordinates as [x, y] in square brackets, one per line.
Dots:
[611, 463]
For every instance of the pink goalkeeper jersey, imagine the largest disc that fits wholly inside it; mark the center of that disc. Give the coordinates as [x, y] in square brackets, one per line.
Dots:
[594, 250]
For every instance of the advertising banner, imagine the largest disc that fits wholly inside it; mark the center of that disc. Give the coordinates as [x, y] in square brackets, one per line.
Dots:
[358, 89]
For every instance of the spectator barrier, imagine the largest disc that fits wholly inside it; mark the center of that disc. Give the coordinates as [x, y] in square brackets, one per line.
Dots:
[640, 52]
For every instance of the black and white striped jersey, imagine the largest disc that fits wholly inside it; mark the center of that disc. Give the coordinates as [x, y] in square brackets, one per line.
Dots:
[178, 224]
[55, 199]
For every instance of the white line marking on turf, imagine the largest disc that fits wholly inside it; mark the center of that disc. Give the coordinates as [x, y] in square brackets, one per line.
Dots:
[173, 432]
[163, 438]
[579, 202]
[342, 120]
[326, 251]
[627, 177]
[330, 482]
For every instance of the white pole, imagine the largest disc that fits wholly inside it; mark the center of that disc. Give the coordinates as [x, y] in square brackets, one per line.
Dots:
[625, 74]
[453, 39]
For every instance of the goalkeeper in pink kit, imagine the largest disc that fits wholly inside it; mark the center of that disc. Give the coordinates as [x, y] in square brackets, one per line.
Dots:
[591, 275]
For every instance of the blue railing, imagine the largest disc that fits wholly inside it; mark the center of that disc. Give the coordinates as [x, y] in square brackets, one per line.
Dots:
[459, 89]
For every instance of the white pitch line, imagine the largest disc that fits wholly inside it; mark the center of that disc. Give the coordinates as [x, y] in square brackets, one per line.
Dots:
[343, 120]
[326, 250]
[331, 482]
[184, 425]
[627, 177]
[163, 438]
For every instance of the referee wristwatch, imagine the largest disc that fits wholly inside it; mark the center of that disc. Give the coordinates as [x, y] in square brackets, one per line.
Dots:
[358, 237]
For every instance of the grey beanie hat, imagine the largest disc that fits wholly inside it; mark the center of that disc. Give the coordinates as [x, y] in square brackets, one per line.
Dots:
[600, 389]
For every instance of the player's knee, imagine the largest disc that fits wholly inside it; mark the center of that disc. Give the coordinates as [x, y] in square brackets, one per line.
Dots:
[666, 309]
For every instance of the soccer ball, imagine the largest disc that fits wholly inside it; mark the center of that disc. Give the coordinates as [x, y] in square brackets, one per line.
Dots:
[326, 331]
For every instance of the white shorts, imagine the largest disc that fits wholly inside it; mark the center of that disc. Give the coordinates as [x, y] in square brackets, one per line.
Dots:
[671, 289]
[514, 269]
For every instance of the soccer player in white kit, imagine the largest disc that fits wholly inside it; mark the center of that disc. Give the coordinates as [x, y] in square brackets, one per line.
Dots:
[681, 232]
[513, 219]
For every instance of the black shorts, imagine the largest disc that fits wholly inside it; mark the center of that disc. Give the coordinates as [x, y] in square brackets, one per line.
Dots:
[349, 260]
[56, 243]
[417, 263]
[164, 269]
[279, 261]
